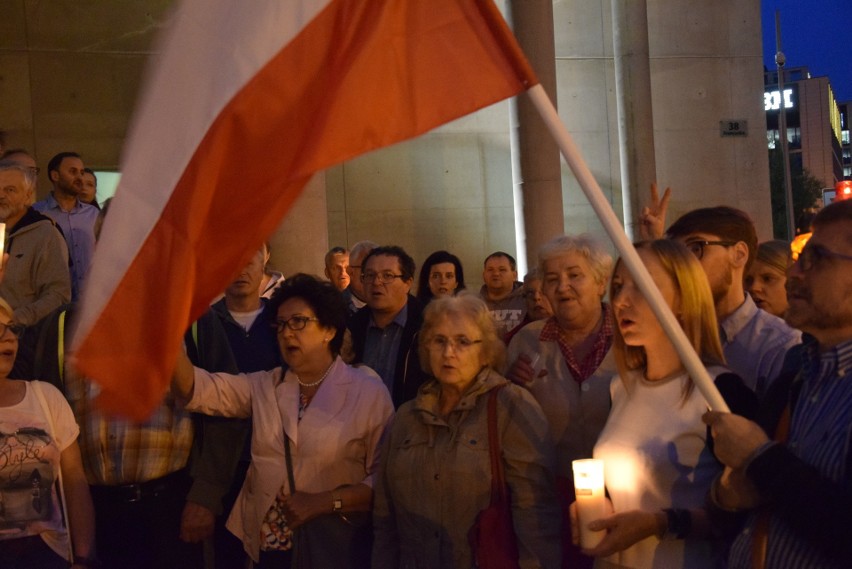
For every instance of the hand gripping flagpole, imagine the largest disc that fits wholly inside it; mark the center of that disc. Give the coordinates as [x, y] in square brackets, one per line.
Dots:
[613, 227]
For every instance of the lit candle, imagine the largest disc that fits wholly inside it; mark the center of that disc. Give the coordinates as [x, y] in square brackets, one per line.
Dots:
[2, 238]
[591, 501]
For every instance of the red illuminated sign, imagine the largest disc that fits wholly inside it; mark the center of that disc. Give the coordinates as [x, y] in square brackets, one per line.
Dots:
[843, 190]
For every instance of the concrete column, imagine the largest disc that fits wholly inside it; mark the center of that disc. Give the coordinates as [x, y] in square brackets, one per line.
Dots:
[299, 244]
[538, 173]
[634, 108]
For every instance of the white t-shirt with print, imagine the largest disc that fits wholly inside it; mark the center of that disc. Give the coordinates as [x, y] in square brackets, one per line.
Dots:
[29, 462]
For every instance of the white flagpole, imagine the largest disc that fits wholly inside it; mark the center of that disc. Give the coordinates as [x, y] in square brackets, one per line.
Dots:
[628, 253]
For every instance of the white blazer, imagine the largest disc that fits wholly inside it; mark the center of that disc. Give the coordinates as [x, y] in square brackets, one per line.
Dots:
[337, 442]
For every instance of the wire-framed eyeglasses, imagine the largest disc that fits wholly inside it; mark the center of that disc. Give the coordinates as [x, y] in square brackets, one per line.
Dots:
[385, 277]
[459, 343]
[813, 255]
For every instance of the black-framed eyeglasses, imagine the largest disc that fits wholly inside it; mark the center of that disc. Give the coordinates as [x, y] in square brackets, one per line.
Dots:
[697, 246]
[813, 255]
[459, 343]
[294, 323]
[385, 277]
[15, 329]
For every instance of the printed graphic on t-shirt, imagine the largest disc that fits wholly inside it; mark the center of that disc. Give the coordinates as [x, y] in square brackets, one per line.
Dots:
[27, 456]
[506, 318]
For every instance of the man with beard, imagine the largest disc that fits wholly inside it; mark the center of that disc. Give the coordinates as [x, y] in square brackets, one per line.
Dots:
[76, 218]
[799, 484]
[36, 280]
[725, 242]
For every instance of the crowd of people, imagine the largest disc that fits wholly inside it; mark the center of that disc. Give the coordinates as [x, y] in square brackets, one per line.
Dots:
[349, 421]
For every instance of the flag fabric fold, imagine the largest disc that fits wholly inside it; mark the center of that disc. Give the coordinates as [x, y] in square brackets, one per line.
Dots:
[244, 102]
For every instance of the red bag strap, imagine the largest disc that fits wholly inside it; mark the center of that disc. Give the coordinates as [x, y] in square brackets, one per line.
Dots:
[498, 478]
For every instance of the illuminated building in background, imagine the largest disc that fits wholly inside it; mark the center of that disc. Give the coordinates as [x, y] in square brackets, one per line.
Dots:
[845, 146]
[815, 124]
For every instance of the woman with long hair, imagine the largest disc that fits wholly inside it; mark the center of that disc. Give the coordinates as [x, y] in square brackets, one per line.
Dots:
[441, 275]
[658, 466]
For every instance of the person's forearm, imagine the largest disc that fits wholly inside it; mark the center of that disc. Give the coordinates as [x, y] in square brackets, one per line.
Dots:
[183, 379]
[355, 498]
[81, 512]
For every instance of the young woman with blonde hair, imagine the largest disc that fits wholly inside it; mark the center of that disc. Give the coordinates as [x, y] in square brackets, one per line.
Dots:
[658, 467]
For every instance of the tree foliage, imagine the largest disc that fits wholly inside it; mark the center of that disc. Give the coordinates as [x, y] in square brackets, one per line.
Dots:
[807, 189]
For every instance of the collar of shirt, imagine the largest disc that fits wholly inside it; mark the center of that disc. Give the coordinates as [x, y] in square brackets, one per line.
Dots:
[837, 358]
[400, 319]
[53, 204]
[603, 341]
[737, 320]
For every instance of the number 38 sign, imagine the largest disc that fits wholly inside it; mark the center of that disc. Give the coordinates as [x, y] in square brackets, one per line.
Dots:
[733, 127]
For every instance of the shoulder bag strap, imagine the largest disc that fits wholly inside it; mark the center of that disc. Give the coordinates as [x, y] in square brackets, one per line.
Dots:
[498, 479]
[36, 385]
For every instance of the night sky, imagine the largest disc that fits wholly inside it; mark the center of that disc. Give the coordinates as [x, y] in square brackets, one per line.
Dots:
[813, 36]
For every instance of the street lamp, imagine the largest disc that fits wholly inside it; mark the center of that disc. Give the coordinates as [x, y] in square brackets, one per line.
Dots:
[780, 60]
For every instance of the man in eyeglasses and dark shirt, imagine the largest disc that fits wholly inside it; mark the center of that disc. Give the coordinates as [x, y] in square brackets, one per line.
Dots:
[384, 332]
[793, 468]
[725, 241]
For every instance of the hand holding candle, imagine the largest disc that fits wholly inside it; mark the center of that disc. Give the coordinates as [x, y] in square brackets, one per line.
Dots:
[591, 501]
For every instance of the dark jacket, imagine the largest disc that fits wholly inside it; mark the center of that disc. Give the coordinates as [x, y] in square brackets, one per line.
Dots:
[255, 349]
[818, 509]
[409, 376]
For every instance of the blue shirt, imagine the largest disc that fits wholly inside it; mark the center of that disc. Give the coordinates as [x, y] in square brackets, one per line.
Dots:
[78, 226]
[381, 346]
[820, 434]
[754, 343]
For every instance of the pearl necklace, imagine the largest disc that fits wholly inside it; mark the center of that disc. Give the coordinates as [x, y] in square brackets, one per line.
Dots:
[317, 382]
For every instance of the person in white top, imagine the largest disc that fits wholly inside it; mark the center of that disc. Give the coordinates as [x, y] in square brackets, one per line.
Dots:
[38, 445]
[657, 465]
[328, 415]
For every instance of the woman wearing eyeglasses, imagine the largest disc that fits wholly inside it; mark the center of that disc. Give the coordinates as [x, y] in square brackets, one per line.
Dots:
[330, 415]
[38, 441]
[435, 475]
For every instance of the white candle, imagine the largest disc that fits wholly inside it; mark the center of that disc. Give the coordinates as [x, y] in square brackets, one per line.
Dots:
[591, 501]
[2, 238]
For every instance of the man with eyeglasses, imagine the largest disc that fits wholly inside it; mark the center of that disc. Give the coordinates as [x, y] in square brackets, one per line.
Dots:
[37, 280]
[793, 468]
[384, 333]
[725, 242]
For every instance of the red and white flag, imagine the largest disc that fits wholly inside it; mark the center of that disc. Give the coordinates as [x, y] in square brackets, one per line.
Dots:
[246, 101]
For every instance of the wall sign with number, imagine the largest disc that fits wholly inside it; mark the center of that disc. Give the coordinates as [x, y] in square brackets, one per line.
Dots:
[733, 127]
